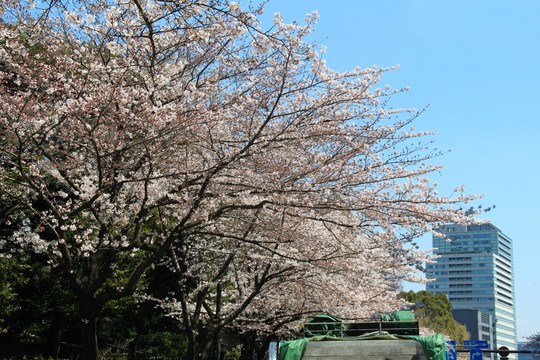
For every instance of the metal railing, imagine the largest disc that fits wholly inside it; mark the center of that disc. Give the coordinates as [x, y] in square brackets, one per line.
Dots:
[353, 329]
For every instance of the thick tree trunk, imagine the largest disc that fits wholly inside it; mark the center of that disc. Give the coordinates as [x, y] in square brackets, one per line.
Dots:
[200, 347]
[215, 348]
[262, 349]
[191, 352]
[89, 342]
[248, 347]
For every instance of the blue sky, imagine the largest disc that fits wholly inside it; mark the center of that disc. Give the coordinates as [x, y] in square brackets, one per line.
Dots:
[477, 65]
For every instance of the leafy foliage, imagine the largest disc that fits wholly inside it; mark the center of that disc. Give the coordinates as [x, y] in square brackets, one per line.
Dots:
[435, 312]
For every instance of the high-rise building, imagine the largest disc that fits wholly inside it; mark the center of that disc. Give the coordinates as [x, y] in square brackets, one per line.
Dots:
[479, 324]
[475, 271]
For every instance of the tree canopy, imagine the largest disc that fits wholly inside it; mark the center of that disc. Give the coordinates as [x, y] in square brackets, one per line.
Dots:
[435, 312]
[533, 345]
[180, 136]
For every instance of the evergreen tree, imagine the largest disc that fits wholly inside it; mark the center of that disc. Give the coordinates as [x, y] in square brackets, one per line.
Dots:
[435, 312]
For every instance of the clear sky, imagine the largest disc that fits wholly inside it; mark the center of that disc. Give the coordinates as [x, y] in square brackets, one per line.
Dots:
[477, 65]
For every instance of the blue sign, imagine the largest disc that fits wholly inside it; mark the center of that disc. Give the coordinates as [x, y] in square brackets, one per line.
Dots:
[476, 354]
[475, 344]
[451, 353]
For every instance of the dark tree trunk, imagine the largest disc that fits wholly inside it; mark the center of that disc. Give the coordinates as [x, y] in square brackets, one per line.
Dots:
[89, 342]
[191, 352]
[248, 347]
[133, 349]
[216, 347]
[54, 336]
[263, 348]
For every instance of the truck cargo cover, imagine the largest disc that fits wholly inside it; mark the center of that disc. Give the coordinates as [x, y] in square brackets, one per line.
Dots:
[379, 347]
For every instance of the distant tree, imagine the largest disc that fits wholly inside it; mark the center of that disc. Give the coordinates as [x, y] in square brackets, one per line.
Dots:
[435, 312]
[533, 344]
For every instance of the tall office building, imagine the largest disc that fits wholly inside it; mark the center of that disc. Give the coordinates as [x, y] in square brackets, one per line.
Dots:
[475, 271]
[479, 324]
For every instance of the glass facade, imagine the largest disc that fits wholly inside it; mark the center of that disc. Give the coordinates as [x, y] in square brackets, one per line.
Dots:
[475, 271]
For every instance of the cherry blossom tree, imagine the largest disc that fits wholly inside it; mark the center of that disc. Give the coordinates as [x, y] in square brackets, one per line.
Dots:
[180, 133]
[263, 296]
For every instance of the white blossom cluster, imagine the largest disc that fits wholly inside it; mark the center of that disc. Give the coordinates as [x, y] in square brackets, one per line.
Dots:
[181, 134]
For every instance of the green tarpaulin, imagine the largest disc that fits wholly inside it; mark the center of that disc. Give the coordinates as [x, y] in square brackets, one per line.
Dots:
[434, 346]
[293, 350]
[404, 316]
[398, 316]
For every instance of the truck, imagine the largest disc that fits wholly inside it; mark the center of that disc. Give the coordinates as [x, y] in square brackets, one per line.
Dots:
[394, 337]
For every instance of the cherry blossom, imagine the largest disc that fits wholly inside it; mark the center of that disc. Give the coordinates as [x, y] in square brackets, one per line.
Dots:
[184, 134]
